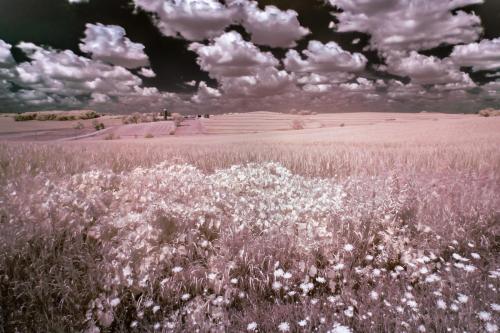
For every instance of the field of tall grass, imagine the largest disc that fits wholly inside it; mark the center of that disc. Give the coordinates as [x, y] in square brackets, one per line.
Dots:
[267, 237]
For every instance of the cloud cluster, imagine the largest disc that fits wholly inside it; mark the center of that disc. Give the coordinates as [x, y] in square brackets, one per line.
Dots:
[268, 82]
[425, 70]
[272, 26]
[205, 93]
[190, 19]
[409, 24]
[324, 58]
[198, 20]
[62, 79]
[109, 44]
[6, 59]
[240, 67]
[229, 55]
[484, 55]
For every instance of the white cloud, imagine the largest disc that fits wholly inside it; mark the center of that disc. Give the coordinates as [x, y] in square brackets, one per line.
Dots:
[484, 55]
[229, 55]
[272, 26]
[423, 69]
[65, 73]
[98, 98]
[78, 1]
[62, 79]
[409, 24]
[266, 82]
[6, 59]
[190, 19]
[331, 78]
[147, 72]
[109, 44]
[324, 58]
[361, 85]
[197, 20]
[205, 93]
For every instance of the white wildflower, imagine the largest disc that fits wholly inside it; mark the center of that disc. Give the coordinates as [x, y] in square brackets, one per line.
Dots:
[276, 285]
[284, 327]
[441, 304]
[462, 298]
[374, 295]
[349, 312]
[491, 328]
[177, 269]
[475, 255]
[337, 328]
[320, 279]
[495, 307]
[432, 278]
[156, 308]
[348, 247]
[484, 316]
[114, 302]
[278, 273]
[185, 297]
[252, 326]
[302, 323]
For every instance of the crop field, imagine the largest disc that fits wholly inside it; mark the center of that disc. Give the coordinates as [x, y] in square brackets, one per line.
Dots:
[374, 229]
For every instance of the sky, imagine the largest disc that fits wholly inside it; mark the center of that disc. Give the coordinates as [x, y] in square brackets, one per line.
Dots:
[211, 56]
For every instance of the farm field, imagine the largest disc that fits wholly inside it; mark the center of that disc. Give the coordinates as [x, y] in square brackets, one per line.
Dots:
[361, 222]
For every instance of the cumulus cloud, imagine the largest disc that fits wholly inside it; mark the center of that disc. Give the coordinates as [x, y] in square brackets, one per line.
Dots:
[62, 79]
[190, 19]
[484, 55]
[264, 83]
[197, 20]
[109, 44]
[229, 56]
[6, 59]
[409, 24]
[272, 26]
[205, 93]
[147, 72]
[324, 58]
[423, 69]
[65, 73]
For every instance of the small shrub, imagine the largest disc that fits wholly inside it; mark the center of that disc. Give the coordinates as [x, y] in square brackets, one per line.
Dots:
[90, 115]
[489, 112]
[79, 126]
[46, 116]
[98, 126]
[177, 118]
[149, 136]
[298, 124]
[342, 125]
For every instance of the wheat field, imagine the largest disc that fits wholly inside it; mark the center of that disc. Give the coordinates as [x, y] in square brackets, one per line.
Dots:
[379, 229]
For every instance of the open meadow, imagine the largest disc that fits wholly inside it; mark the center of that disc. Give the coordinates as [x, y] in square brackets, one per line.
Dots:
[258, 222]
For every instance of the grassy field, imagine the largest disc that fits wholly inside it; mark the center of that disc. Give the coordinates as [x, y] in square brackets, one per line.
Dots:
[375, 229]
